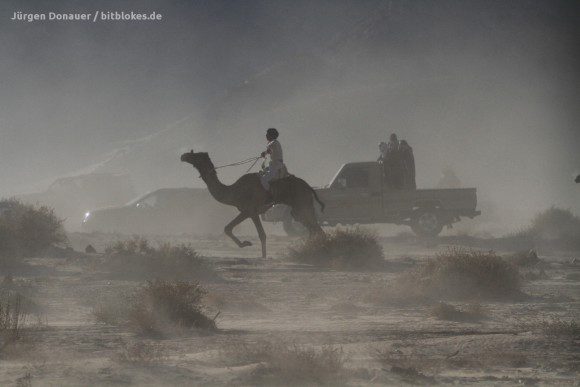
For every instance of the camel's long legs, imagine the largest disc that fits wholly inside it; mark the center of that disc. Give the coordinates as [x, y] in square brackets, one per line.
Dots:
[230, 227]
[261, 233]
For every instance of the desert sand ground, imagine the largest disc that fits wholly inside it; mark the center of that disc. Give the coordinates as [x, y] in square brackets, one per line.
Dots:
[274, 300]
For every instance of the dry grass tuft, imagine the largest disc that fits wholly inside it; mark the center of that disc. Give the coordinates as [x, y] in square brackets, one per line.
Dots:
[16, 310]
[554, 225]
[290, 364]
[466, 274]
[343, 249]
[158, 308]
[136, 258]
[456, 274]
[141, 353]
[469, 313]
[12, 318]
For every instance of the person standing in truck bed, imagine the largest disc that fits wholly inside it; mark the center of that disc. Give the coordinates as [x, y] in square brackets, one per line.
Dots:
[408, 164]
[392, 164]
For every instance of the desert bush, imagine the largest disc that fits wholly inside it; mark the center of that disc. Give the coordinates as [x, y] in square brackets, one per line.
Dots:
[158, 308]
[555, 225]
[466, 274]
[136, 258]
[140, 353]
[290, 364]
[27, 230]
[457, 274]
[352, 248]
[448, 312]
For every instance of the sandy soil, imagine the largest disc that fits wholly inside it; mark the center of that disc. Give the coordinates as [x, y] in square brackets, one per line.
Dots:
[276, 300]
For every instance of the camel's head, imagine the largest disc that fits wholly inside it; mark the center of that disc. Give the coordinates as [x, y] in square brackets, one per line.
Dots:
[200, 160]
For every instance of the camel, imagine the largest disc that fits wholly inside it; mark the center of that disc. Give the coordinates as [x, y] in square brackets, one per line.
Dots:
[249, 196]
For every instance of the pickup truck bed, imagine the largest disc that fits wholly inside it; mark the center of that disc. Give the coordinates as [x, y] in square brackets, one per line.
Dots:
[358, 195]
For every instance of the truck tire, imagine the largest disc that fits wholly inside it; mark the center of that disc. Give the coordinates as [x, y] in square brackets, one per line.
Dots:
[426, 223]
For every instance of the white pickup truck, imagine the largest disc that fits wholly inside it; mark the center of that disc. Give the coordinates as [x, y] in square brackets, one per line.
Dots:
[358, 194]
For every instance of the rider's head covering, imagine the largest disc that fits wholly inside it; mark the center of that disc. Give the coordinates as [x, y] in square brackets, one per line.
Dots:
[272, 133]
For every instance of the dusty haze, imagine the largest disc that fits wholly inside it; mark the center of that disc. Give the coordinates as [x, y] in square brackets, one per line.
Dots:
[489, 88]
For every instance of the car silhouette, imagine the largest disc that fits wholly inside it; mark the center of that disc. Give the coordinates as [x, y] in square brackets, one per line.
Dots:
[165, 211]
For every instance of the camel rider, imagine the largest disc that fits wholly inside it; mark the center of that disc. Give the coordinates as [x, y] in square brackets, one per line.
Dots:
[276, 168]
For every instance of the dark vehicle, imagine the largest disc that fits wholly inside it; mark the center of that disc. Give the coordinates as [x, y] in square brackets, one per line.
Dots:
[70, 197]
[164, 211]
[358, 194]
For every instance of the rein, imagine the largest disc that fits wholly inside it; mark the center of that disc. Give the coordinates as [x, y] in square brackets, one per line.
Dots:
[246, 161]
[254, 159]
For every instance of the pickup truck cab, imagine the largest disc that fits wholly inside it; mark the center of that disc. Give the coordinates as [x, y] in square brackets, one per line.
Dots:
[358, 194]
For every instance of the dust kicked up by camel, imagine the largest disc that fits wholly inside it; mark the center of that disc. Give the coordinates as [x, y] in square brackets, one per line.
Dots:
[391, 197]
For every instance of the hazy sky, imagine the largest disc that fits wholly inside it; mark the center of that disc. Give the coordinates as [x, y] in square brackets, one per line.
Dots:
[487, 87]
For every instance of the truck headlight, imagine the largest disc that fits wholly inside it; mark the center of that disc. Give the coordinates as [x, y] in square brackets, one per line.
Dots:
[87, 216]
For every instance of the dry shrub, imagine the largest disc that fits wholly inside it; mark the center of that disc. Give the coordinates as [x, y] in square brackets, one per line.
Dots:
[291, 364]
[448, 312]
[141, 353]
[466, 274]
[456, 274]
[136, 258]
[351, 249]
[555, 225]
[26, 230]
[158, 308]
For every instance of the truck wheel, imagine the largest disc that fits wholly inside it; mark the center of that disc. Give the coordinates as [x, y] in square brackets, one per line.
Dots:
[426, 224]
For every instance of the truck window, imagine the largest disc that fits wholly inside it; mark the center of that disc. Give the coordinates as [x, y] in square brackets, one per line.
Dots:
[356, 178]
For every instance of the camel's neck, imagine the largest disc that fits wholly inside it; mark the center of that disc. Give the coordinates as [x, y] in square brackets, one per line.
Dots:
[219, 191]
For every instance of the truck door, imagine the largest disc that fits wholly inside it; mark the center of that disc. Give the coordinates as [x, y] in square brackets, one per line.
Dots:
[357, 193]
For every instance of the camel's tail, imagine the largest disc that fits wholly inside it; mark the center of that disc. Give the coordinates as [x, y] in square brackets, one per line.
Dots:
[322, 205]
